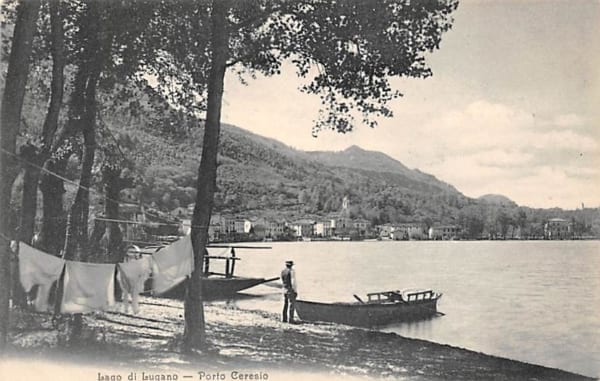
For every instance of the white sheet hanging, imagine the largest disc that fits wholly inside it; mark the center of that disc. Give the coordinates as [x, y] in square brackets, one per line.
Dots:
[38, 268]
[88, 287]
[172, 265]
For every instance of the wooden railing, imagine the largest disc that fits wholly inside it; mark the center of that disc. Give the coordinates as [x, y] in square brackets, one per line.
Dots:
[399, 296]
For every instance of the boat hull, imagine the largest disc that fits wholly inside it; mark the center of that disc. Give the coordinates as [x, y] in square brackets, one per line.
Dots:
[368, 314]
[223, 287]
[217, 288]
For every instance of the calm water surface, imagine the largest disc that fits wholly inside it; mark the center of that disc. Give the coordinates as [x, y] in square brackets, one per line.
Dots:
[532, 301]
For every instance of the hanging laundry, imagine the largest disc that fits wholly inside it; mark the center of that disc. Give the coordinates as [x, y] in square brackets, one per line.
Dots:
[41, 269]
[88, 287]
[132, 276]
[172, 265]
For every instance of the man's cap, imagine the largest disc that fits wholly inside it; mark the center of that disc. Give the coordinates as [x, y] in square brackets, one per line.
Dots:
[289, 262]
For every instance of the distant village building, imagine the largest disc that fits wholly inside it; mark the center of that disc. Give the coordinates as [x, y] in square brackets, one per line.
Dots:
[384, 231]
[361, 226]
[215, 232]
[129, 196]
[180, 212]
[557, 228]
[408, 231]
[131, 210]
[275, 228]
[256, 228]
[250, 224]
[444, 232]
[261, 228]
[239, 225]
[190, 208]
[303, 228]
[323, 228]
[341, 224]
[228, 225]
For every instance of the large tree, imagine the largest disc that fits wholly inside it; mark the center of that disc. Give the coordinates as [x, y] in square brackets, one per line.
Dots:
[349, 49]
[96, 49]
[10, 119]
[37, 154]
[101, 50]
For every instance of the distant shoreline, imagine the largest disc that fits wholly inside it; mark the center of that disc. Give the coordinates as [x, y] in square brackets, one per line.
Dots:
[405, 240]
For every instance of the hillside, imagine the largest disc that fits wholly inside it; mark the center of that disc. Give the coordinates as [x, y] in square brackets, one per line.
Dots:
[262, 176]
[357, 158]
[259, 176]
[497, 199]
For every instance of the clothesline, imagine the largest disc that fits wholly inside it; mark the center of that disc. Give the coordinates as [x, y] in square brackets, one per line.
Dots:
[90, 286]
[100, 194]
[148, 223]
[5, 237]
[91, 190]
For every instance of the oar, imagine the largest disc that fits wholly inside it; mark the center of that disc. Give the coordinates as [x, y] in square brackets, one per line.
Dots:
[359, 299]
[236, 246]
[269, 282]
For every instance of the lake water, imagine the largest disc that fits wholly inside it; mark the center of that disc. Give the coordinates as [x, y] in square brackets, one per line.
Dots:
[534, 301]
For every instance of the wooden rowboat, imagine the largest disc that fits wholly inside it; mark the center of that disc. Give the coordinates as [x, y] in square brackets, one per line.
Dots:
[215, 284]
[220, 285]
[217, 287]
[381, 308]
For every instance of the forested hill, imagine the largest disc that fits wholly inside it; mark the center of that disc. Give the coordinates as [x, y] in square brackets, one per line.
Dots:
[262, 177]
[358, 158]
[258, 176]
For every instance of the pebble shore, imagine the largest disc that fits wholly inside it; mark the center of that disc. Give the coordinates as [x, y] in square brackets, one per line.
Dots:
[243, 345]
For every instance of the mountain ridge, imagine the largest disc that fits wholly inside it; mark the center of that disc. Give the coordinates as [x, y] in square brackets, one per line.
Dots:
[359, 158]
[261, 176]
[498, 199]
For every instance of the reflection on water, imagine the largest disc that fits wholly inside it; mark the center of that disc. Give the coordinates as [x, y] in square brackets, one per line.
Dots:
[413, 329]
[532, 301]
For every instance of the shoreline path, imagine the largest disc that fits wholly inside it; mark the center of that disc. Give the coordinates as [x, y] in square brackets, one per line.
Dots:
[244, 344]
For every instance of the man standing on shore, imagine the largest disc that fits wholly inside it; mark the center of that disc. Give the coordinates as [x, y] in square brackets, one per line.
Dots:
[288, 278]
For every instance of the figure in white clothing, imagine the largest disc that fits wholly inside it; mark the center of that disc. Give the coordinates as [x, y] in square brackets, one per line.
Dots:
[132, 276]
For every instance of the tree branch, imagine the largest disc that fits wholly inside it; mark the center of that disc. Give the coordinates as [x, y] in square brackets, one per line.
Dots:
[253, 22]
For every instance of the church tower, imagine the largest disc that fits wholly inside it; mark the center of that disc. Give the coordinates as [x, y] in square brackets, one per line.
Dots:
[345, 207]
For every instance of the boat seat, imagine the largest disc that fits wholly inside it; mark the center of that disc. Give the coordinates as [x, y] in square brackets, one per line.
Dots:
[395, 296]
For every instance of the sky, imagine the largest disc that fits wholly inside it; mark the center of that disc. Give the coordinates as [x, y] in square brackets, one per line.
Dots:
[512, 108]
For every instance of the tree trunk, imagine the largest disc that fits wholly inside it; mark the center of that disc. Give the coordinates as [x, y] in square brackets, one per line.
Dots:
[113, 184]
[29, 153]
[52, 233]
[77, 224]
[12, 105]
[98, 232]
[32, 173]
[98, 47]
[32, 160]
[194, 334]
[58, 79]
[53, 230]
[76, 237]
[78, 118]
